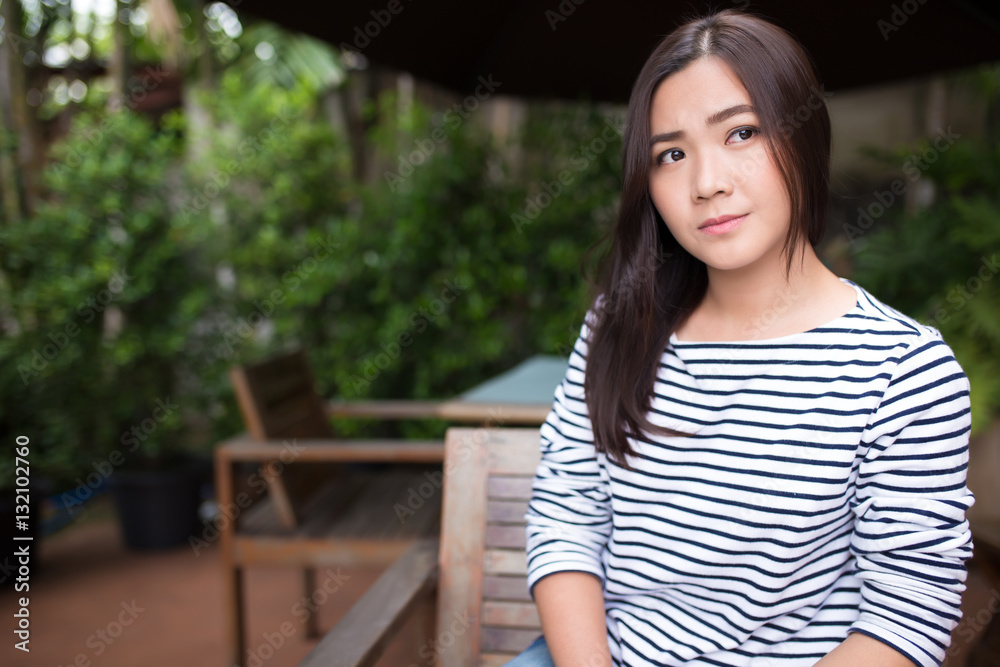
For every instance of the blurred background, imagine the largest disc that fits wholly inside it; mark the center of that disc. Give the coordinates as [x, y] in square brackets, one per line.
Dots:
[188, 186]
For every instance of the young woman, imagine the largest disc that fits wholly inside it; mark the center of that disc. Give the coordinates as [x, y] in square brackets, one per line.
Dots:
[750, 461]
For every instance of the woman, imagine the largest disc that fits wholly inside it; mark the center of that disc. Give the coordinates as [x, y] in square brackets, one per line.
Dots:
[750, 461]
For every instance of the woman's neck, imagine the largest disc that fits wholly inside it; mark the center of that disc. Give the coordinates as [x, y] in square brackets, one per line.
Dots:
[761, 301]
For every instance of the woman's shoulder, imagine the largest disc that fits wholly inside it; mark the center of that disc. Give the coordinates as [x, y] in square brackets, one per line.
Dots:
[909, 344]
[874, 316]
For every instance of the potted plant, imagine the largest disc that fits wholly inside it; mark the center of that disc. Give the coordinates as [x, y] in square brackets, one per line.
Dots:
[114, 293]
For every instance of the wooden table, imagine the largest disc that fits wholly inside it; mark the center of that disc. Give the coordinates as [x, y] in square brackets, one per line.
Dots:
[523, 395]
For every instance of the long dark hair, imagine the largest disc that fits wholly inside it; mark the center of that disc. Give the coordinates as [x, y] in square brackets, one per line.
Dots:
[647, 283]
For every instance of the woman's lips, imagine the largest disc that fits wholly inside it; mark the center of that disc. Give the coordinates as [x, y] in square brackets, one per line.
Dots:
[723, 227]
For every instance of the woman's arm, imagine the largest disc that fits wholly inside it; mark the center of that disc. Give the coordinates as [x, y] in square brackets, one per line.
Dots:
[911, 534]
[568, 527]
[571, 605]
[860, 650]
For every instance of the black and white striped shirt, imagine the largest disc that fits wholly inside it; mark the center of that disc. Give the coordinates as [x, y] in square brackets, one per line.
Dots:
[822, 492]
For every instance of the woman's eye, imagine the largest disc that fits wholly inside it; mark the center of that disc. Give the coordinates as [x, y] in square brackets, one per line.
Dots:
[744, 133]
[672, 155]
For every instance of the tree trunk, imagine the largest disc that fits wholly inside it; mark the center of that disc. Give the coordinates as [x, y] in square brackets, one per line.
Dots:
[118, 65]
[205, 70]
[198, 116]
[18, 147]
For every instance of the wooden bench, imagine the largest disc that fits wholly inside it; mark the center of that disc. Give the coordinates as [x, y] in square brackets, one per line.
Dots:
[294, 495]
[477, 572]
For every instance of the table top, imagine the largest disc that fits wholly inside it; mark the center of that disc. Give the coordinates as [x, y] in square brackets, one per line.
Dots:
[533, 381]
[522, 395]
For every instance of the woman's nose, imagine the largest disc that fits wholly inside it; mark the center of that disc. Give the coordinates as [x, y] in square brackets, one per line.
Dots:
[711, 177]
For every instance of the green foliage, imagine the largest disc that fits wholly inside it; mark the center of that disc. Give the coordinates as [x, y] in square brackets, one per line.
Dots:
[437, 271]
[419, 285]
[940, 264]
[105, 284]
[451, 288]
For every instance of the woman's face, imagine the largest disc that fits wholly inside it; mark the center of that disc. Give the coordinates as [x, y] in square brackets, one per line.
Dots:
[709, 161]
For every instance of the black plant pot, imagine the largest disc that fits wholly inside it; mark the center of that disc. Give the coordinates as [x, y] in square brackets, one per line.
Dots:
[158, 509]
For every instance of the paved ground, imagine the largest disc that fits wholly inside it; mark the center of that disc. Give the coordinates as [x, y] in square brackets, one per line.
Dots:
[169, 606]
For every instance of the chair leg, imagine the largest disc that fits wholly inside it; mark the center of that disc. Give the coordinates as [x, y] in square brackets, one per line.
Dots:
[312, 620]
[233, 596]
[424, 620]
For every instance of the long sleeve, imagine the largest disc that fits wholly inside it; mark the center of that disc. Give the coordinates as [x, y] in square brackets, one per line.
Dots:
[911, 537]
[569, 516]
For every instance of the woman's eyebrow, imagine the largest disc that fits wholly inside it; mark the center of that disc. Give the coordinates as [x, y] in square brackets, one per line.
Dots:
[714, 119]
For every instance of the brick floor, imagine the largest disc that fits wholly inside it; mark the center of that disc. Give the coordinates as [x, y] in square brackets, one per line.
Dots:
[172, 601]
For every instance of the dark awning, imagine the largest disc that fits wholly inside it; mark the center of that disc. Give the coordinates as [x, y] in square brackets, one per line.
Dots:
[594, 49]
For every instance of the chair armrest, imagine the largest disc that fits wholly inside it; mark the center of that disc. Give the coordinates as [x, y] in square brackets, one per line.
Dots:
[245, 448]
[384, 409]
[360, 638]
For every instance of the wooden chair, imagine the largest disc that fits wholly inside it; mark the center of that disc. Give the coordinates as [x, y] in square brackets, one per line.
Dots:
[485, 615]
[294, 495]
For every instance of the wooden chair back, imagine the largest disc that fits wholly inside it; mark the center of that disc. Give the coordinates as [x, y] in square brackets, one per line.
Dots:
[278, 399]
[279, 403]
[483, 599]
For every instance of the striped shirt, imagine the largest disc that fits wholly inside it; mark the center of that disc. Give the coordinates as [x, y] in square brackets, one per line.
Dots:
[821, 491]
